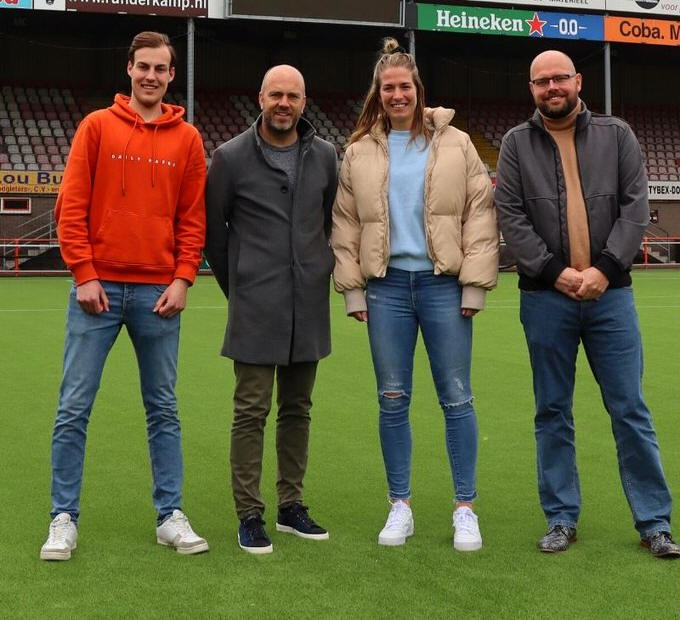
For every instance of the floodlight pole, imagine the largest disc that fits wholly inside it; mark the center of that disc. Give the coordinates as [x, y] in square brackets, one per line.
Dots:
[190, 70]
[607, 78]
[411, 36]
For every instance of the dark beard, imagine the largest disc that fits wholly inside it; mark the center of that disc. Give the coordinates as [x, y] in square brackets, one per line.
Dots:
[557, 114]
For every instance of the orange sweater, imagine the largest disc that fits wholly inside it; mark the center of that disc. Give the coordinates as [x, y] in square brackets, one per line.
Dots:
[131, 203]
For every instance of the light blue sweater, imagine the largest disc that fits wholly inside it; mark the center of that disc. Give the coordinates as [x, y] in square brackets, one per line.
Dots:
[406, 199]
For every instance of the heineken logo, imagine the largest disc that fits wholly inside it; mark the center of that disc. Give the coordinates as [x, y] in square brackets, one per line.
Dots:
[479, 23]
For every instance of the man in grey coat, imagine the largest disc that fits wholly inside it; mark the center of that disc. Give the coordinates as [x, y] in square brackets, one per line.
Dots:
[269, 196]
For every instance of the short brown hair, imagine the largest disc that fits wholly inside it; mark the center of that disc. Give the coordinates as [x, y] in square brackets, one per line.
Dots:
[151, 39]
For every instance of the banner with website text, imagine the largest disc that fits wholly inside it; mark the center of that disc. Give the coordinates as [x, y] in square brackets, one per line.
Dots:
[178, 8]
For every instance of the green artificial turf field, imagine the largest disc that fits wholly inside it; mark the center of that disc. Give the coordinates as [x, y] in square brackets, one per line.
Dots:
[119, 571]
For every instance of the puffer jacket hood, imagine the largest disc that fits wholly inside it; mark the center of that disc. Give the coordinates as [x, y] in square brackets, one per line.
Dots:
[441, 119]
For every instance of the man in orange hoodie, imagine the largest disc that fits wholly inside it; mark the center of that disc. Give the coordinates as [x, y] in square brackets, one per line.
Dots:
[131, 226]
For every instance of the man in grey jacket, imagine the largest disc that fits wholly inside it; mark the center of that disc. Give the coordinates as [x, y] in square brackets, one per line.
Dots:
[269, 197]
[571, 193]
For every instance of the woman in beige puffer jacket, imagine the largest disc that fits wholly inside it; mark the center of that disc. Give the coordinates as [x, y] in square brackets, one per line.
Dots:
[416, 247]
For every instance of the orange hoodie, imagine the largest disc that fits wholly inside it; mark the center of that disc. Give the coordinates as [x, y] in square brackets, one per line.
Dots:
[131, 203]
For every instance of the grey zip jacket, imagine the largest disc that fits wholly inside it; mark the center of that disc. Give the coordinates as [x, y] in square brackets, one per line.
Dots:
[532, 202]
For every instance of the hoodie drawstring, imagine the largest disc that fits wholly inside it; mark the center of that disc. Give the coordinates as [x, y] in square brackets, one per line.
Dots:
[125, 155]
[153, 157]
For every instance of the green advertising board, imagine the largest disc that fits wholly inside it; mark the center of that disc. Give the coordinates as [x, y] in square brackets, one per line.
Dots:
[469, 20]
[509, 23]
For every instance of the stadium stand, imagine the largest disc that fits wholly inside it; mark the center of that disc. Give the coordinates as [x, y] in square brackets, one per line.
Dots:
[38, 124]
[657, 129]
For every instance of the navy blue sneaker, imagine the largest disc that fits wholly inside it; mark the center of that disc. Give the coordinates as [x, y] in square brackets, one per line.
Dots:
[295, 519]
[252, 536]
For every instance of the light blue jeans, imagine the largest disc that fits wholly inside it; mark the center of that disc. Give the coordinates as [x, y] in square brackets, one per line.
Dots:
[89, 339]
[554, 325]
[398, 305]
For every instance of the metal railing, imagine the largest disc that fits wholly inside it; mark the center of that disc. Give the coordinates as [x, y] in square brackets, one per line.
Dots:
[660, 248]
[15, 252]
[40, 226]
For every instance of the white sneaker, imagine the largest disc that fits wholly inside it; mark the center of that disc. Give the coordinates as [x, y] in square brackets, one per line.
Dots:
[399, 525]
[466, 535]
[61, 540]
[176, 532]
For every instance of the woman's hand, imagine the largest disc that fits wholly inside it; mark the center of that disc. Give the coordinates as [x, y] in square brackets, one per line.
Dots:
[361, 315]
[468, 312]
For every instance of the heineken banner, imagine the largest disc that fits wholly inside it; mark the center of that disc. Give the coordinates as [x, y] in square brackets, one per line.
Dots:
[514, 23]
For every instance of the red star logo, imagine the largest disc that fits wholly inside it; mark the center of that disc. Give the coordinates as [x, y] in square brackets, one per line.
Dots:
[535, 25]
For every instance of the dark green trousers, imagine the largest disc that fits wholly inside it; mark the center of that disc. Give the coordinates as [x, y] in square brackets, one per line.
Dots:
[252, 403]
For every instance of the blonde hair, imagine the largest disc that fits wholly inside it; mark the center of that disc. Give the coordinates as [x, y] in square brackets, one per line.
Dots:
[392, 55]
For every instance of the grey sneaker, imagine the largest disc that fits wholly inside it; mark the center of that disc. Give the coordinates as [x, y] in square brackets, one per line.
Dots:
[662, 545]
[557, 539]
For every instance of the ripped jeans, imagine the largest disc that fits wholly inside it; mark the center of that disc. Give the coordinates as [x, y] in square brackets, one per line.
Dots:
[398, 304]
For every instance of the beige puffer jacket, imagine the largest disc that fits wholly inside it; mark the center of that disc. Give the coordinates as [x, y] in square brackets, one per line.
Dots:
[460, 221]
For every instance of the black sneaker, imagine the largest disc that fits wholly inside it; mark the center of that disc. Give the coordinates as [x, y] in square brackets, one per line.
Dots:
[252, 536]
[295, 519]
[662, 545]
[557, 539]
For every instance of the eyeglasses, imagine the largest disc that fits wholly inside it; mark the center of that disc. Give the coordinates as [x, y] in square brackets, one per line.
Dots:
[556, 79]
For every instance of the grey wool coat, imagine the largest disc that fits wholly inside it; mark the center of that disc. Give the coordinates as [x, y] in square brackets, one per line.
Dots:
[269, 248]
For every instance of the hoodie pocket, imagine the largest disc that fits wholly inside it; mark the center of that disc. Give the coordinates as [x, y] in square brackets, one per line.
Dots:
[133, 239]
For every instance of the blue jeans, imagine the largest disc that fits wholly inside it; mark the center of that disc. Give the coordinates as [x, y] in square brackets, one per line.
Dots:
[554, 325]
[89, 339]
[398, 305]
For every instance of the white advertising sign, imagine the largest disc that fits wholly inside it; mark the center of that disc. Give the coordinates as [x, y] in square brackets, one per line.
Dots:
[649, 7]
[664, 190]
[50, 5]
[590, 5]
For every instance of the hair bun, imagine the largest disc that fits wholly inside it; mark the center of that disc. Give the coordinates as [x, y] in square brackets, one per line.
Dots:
[390, 45]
